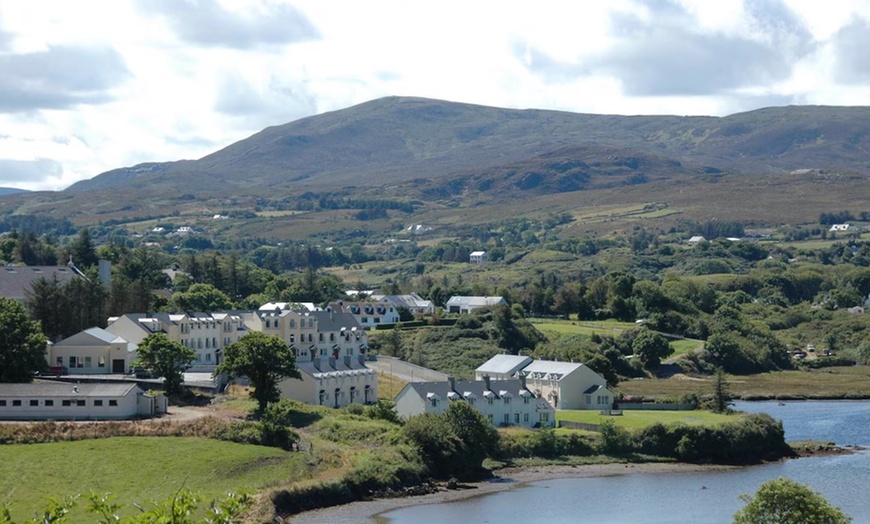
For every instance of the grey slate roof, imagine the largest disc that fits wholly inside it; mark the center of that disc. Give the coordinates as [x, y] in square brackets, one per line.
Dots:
[17, 281]
[504, 364]
[105, 336]
[551, 366]
[475, 387]
[59, 389]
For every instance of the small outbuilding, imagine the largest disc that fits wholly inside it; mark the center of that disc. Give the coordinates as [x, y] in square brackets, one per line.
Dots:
[67, 401]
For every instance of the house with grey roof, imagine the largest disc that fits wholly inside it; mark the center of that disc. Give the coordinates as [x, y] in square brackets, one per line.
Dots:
[414, 303]
[368, 314]
[502, 402]
[568, 385]
[502, 367]
[464, 305]
[16, 282]
[65, 401]
[93, 351]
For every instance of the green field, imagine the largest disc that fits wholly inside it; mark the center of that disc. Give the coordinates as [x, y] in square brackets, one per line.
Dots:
[834, 382]
[137, 470]
[685, 345]
[582, 327]
[636, 419]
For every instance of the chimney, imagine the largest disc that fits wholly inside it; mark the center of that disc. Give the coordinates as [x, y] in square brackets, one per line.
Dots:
[347, 361]
[316, 362]
[452, 383]
[522, 379]
[486, 381]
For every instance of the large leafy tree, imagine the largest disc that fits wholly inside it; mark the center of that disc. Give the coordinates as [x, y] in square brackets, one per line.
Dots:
[651, 348]
[264, 359]
[166, 358]
[22, 344]
[201, 297]
[784, 501]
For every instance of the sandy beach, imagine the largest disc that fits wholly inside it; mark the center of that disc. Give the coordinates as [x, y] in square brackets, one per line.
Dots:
[505, 479]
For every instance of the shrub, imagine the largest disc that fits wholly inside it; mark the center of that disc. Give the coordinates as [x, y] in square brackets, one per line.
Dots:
[613, 439]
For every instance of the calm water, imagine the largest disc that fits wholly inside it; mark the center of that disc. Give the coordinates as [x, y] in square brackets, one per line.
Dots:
[710, 497]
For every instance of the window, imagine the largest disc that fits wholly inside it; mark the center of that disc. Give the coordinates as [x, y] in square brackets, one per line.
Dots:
[49, 403]
[59, 361]
[516, 418]
[208, 357]
[377, 320]
[214, 342]
[2, 402]
[545, 417]
[507, 418]
[322, 352]
[332, 337]
[101, 362]
[348, 352]
[489, 416]
[72, 362]
[589, 399]
[434, 402]
[88, 362]
[320, 337]
[98, 403]
[207, 343]
[507, 400]
[34, 402]
[268, 323]
[525, 400]
[292, 338]
[363, 320]
[66, 403]
[80, 403]
[489, 400]
[16, 402]
[292, 323]
[525, 417]
[113, 402]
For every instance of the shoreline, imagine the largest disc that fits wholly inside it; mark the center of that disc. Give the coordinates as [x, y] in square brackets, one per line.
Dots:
[504, 480]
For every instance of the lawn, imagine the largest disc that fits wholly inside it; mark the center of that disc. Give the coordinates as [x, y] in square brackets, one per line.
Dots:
[389, 386]
[582, 327]
[636, 419]
[138, 469]
[685, 345]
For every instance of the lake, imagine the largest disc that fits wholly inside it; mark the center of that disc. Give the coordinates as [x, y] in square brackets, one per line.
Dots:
[708, 497]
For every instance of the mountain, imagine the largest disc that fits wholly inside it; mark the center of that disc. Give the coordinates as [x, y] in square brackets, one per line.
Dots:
[395, 140]
[11, 191]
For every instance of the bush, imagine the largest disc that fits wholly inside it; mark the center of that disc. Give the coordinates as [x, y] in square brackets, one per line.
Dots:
[542, 443]
[614, 439]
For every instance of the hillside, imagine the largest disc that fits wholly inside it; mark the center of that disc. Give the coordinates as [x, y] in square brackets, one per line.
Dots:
[462, 161]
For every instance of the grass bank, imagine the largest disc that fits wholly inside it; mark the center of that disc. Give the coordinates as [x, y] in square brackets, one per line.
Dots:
[638, 419]
[139, 469]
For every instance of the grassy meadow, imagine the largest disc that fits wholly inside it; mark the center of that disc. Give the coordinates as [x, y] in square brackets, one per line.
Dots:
[833, 382]
[138, 469]
[637, 419]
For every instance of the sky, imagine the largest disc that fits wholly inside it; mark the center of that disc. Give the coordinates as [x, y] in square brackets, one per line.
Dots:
[93, 85]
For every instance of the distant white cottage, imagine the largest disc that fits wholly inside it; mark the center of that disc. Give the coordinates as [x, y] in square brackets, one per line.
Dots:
[695, 240]
[477, 257]
[839, 227]
[465, 305]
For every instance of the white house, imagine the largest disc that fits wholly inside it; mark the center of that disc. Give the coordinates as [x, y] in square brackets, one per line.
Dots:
[368, 314]
[464, 305]
[414, 303]
[695, 240]
[502, 402]
[477, 257]
[568, 385]
[93, 351]
[64, 401]
[839, 227]
[502, 367]
[332, 382]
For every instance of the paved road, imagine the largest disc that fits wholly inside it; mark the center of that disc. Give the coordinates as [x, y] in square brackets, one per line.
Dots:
[405, 371]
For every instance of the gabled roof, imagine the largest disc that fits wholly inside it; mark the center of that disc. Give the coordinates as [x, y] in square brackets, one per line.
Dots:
[17, 281]
[503, 365]
[466, 388]
[547, 367]
[57, 389]
[457, 300]
[105, 336]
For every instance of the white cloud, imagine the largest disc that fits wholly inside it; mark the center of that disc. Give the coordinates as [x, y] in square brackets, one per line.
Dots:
[171, 80]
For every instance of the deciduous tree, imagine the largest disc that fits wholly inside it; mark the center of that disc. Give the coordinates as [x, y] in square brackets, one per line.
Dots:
[784, 501]
[651, 347]
[166, 358]
[264, 359]
[22, 344]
